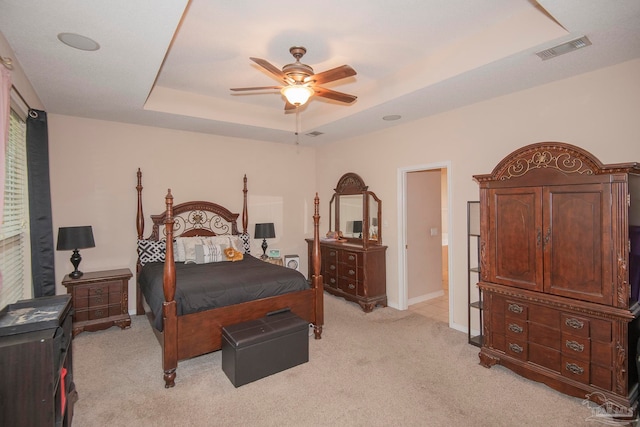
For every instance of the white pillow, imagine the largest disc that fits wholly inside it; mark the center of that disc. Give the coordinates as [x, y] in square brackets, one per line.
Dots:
[185, 248]
[226, 241]
[208, 252]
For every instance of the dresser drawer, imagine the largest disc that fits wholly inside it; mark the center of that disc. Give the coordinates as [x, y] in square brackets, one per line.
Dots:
[575, 369]
[95, 313]
[349, 286]
[349, 258]
[351, 272]
[576, 346]
[574, 325]
[516, 328]
[516, 310]
[516, 348]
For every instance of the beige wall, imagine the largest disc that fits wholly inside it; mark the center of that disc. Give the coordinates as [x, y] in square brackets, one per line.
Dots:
[597, 111]
[93, 179]
[93, 165]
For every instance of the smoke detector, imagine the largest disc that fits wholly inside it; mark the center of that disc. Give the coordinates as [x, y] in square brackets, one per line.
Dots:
[564, 48]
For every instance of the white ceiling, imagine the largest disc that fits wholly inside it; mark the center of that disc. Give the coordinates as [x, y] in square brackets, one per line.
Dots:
[170, 63]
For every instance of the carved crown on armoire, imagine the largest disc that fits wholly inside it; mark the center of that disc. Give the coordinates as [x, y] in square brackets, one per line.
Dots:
[559, 272]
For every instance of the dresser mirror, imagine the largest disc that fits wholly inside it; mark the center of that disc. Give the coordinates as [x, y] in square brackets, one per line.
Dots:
[355, 212]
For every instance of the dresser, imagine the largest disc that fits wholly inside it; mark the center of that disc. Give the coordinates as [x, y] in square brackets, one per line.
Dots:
[554, 263]
[36, 363]
[100, 300]
[353, 272]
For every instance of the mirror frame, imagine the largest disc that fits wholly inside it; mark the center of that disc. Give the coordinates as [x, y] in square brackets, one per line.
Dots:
[348, 185]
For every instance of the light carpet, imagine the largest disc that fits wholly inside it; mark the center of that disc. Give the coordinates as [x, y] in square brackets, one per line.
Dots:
[383, 368]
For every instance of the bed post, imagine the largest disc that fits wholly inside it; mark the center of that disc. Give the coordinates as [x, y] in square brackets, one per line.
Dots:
[245, 214]
[169, 313]
[316, 279]
[140, 228]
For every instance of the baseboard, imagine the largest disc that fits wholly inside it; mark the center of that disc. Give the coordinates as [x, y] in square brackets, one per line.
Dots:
[425, 297]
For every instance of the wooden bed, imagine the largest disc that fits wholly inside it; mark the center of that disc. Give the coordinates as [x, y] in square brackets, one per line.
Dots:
[190, 335]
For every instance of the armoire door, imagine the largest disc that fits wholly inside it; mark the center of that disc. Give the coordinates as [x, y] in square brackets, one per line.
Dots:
[515, 237]
[577, 242]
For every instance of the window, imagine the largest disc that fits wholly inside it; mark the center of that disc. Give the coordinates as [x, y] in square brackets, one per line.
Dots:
[14, 239]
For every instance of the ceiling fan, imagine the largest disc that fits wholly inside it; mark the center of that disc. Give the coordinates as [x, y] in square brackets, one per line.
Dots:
[300, 82]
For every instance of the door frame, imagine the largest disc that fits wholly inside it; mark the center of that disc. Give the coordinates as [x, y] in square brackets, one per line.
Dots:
[403, 290]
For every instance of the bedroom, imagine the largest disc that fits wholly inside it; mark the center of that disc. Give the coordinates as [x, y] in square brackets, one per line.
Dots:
[93, 164]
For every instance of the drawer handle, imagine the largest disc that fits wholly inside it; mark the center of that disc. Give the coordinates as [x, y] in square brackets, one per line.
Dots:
[515, 348]
[575, 346]
[515, 328]
[98, 312]
[515, 308]
[574, 323]
[99, 299]
[352, 286]
[352, 258]
[332, 253]
[574, 369]
[98, 291]
[332, 280]
[352, 273]
[332, 267]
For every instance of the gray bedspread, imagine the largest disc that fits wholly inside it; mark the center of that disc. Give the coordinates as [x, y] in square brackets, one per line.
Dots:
[201, 287]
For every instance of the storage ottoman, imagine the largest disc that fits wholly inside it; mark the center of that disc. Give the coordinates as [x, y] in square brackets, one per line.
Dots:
[259, 348]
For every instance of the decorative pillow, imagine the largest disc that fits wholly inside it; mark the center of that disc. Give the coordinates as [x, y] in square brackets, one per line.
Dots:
[190, 247]
[208, 252]
[227, 240]
[245, 238]
[151, 251]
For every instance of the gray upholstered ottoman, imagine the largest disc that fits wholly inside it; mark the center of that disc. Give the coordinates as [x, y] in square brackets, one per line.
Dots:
[259, 348]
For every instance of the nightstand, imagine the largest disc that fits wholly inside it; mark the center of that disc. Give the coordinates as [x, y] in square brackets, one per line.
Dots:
[276, 261]
[100, 300]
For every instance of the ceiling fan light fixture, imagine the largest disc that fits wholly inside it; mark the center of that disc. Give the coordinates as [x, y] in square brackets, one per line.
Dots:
[297, 95]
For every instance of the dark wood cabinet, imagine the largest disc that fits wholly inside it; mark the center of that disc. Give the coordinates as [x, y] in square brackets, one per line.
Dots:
[353, 272]
[100, 300]
[353, 258]
[36, 363]
[555, 251]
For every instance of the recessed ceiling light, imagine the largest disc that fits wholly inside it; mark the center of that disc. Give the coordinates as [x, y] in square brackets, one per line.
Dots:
[78, 42]
[391, 117]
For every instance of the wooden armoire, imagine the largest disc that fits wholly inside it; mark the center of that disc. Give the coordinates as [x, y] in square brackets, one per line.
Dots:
[554, 271]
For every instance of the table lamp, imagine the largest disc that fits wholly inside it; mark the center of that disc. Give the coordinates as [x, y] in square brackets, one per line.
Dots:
[264, 231]
[73, 239]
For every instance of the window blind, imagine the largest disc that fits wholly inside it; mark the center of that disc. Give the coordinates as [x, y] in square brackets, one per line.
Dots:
[13, 231]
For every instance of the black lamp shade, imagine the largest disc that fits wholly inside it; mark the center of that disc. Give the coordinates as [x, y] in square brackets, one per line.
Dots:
[265, 231]
[357, 226]
[70, 238]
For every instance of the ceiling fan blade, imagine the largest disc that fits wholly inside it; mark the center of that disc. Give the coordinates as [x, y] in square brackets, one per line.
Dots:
[237, 89]
[277, 72]
[332, 75]
[336, 96]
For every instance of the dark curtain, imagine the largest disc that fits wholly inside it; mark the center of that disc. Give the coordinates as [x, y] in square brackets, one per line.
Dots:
[42, 265]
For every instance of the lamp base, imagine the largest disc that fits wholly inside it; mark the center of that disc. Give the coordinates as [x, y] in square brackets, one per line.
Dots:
[264, 249]
[75, 260]
[76, 274]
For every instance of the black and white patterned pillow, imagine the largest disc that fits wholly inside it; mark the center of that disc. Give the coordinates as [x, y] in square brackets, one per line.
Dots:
[245, 238]
[151, 251]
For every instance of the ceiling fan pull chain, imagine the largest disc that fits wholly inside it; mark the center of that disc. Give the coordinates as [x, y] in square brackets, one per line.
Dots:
[297, 125]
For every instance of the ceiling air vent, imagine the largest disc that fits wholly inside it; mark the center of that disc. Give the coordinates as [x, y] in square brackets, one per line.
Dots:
[564, 48]
[314, 133]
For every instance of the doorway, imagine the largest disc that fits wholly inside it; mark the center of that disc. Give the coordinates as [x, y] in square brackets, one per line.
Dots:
[424, 267]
